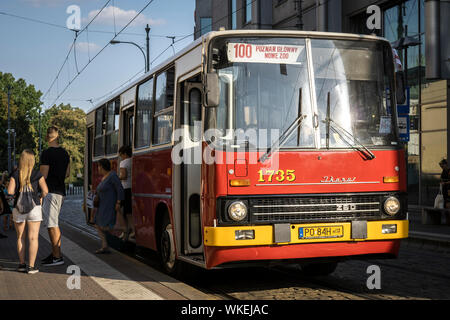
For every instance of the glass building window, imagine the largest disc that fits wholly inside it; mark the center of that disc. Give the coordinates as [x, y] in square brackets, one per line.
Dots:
[407, 19]
[233, 15]
[205, 25]
[248, 11]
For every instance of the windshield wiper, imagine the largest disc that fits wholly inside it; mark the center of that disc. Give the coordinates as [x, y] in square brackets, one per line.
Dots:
[344, 134]
[279, 143]
[348, 136]
[283, 138]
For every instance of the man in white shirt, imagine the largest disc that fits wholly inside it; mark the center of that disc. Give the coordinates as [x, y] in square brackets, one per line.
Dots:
[125, 175]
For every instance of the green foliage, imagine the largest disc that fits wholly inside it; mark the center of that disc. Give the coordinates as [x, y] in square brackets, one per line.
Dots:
[24, 110]
[25, 106]
[71, 123]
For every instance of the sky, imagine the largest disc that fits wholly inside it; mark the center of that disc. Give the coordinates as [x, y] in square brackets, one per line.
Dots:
[36, 51]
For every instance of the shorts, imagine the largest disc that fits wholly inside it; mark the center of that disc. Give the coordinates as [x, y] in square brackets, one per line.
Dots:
[126, 203]
[50, 209]
[34, 215]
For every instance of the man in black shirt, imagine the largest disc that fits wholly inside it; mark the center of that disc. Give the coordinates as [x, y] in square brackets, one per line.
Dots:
[55, 167]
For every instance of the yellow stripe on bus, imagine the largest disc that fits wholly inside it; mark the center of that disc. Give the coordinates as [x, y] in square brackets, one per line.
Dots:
[264, 235]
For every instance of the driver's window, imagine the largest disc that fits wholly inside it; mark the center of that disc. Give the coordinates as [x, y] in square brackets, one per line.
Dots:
[195, 113]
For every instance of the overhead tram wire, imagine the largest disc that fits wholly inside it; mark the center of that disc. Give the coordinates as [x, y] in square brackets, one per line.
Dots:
[72, 47]
[90, 30]
[129, 80]
[117, 88]
[211, 24]
[33, 20]
[162, 52]
[101, 50]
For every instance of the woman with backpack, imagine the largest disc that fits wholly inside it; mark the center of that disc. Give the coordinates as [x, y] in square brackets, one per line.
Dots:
[29, 188]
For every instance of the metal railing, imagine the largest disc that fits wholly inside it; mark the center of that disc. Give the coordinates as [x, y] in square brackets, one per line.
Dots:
[74, 190]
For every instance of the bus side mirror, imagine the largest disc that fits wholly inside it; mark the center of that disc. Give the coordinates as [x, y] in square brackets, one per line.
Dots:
[212, 89]
[400, 87]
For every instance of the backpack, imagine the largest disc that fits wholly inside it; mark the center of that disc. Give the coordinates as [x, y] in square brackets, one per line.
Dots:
[25, 202]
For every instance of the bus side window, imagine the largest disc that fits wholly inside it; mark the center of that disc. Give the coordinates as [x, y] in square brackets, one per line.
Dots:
[99, 140]
[144, 108]
[112, 127]
[163, 118]
[195, 114]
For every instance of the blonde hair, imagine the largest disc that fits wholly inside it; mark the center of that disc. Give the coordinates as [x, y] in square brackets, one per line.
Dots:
[26, 165]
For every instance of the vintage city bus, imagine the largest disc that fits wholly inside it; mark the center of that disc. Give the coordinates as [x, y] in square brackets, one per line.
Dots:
[261, 147]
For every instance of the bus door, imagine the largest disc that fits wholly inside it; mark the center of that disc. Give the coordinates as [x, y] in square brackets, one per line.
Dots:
[191, 114]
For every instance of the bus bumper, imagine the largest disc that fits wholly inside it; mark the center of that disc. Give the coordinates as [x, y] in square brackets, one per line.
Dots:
[222, 245]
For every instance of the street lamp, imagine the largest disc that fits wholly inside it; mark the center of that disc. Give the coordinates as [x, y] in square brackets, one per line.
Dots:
[9, 131]
[14, 148]
[146, 57]
[129, 42]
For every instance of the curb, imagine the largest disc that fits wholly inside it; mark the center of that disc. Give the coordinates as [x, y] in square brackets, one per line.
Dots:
[170, 283]
[429, 240]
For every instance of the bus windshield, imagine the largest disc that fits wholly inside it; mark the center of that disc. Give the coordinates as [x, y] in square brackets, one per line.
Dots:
[266, 83]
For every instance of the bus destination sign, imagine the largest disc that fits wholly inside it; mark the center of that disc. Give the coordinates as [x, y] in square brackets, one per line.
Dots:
[264, 53]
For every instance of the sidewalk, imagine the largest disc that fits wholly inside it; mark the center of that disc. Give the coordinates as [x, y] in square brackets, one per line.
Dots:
[113, 276]
[437, 235]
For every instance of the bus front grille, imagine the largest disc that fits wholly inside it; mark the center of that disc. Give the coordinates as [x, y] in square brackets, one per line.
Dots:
[315, 208]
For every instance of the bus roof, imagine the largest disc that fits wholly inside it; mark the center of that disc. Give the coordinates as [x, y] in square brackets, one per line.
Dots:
[210, 35]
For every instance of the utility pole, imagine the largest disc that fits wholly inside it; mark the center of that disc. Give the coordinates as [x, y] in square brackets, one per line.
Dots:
[147, 29]
[9, 131]
[40, 133]
[14, 146]
[298, 3]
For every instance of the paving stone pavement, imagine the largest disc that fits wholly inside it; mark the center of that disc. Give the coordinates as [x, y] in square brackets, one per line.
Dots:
[420, 272]
[49, 284]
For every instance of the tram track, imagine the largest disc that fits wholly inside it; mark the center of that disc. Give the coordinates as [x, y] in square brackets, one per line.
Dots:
[151, 262]
[322, 281]
[414, 270]
[254, 283]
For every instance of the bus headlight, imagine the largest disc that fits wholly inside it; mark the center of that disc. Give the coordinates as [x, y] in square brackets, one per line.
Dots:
[391, 206]
[237, 211]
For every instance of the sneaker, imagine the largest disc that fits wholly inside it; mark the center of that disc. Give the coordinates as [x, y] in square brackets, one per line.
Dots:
[52, 261]
[32, 270]
[22, 267]
[47, 260]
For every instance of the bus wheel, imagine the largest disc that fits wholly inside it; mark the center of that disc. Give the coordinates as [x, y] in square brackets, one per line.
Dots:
[319, 269]
[167, 247]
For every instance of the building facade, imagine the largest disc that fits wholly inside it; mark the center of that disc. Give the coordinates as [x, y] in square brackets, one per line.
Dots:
[419, 29]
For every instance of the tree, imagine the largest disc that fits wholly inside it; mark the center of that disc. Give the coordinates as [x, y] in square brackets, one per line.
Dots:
[24, 110]
[71, 123]
[25, 106]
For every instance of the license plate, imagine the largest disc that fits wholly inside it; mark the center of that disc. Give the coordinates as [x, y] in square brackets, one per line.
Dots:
[320, 232]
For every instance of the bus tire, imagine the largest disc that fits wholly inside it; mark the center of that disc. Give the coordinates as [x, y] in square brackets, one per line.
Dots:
[166, 247]
[318, 269]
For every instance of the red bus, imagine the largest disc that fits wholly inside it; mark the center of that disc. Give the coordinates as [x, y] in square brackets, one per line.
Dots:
[261, 146]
